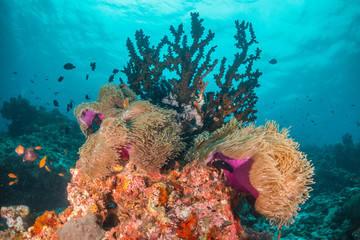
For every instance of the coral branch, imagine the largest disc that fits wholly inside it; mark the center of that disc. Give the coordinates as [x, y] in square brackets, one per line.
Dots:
[191, 63]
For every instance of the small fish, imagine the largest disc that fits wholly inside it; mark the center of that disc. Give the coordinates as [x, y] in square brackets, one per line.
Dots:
[69, 106]
[222, 165]
[87, 77]
[111, 78]
[15, 73]
[30, 155]
[56, 103]
[273, 61]
[13, 182]
[66, 152]
[93, 65]
[332, 111]
[69, 66]
[60, 79]
[42, 162]
[61, 174]
[115, 71]
[87, 97]
[353, 105]
[38, 148]
[11, 175]
[47, 168]
[20, 150]
[56, 93]
[126, 102]
[32, 81]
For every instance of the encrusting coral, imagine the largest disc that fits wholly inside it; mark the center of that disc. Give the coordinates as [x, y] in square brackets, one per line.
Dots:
[267, 163]
[17, 217]
[138, 132]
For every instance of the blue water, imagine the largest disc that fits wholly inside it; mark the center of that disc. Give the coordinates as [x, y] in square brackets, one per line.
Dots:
[313, 87]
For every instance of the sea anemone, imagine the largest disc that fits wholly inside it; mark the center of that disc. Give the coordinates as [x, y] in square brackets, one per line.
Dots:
[140, 132]
[279, 174]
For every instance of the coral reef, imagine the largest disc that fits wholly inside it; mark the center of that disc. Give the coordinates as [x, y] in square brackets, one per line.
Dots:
[17, 217]
[194, 202]
[21, 114]
[180, 205]
[197, 110]
[269, 166]
[140, 133]
[39, 189]
[350, 152]
[127, 184]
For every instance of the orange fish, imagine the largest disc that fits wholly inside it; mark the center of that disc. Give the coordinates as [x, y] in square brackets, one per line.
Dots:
[11, 175]
[13, 182]
[20, 150]
[126, 102]
[47, 168]
[38, 147]
[61, 174]
[42, 162]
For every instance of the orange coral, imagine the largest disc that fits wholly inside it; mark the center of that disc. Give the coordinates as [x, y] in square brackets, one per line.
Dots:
[186, 229]
[48, 219]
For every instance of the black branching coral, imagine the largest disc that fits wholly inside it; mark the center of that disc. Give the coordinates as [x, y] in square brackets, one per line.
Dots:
[172, 74]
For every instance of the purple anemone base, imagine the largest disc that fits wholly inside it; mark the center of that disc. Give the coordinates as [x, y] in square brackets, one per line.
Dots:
[239, 179]
[87, 117]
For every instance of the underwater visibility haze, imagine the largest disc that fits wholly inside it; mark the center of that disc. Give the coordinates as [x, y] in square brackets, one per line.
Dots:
[180, 120]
